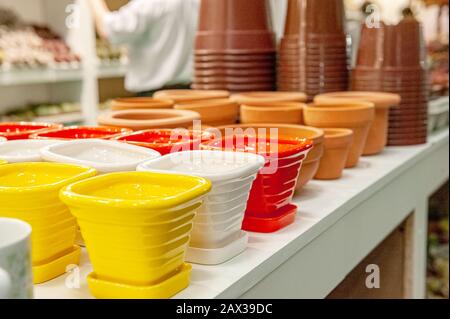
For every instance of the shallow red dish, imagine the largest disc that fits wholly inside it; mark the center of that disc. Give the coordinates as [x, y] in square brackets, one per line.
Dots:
[23, 130]
[269, 206]
[167, 141]
[80, 132]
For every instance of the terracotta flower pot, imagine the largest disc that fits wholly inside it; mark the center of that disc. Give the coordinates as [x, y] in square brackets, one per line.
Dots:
[377, 138]
[307, 17]
[312, 161]
[226, 26]
[213, 112]
[337, 146]
[147, 119]
[283, 113]
[140, 103]
[357, 116]
[186, 96]
[254, 98]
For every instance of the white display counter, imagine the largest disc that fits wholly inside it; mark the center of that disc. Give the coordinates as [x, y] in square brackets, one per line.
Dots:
[339, 223]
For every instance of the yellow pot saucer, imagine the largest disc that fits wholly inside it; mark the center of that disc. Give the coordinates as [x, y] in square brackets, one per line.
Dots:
[57, 267]
[110, 290]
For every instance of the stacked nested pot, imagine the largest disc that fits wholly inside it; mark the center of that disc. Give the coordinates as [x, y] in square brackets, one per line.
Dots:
[235, 46]
[313, 52]
[392, 59]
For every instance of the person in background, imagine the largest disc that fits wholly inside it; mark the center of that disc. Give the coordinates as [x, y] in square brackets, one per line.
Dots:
[159, 35]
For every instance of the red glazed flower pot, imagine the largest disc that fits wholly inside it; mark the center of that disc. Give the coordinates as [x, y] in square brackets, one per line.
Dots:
[269, 206]
[23, 130]
[79, 132]
[166, 141]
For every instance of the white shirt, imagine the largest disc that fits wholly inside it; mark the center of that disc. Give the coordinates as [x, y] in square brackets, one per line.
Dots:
[160, 38]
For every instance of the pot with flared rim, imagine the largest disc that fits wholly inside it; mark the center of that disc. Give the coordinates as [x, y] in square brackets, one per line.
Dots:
[306, 16]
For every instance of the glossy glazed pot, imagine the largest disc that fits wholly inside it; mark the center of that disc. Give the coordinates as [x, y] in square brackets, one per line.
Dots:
[147, 119]
[29, 192]
[104, 156]
[312, 160]
[80, 132]
[355, 116]
[216, 236]
[23, 151]
[269, 206]
[167, 141]
[278, 112]
[23, 130]
[377, 138]
[136, 243]
[213, 112]
[337, 146]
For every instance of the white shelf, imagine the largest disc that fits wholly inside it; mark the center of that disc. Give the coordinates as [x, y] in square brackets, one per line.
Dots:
[111, 71]
[67, 118]
[40, 76]
[338, 224]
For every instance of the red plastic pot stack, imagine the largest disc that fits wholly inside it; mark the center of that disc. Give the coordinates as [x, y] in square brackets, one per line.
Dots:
[392, 59]
[313, 52]
[235, 46]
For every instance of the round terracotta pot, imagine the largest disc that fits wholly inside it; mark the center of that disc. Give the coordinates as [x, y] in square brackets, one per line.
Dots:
[337, 146]
[140, 103]
[186, 96]
[377, 138]
[283, 113]
[254, 98]
[213, 112]
[357, 116]
[312, 161]
[148, 119]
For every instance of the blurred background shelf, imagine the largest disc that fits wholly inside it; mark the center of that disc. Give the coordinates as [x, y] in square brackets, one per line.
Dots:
[106, 71]
[40, 75]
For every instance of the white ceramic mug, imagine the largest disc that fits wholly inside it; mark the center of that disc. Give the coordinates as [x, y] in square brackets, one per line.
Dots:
[16, 278]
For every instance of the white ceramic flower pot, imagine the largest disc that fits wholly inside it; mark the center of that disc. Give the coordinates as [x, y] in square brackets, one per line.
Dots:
[20, 151]
[217, 235]
[104, 156]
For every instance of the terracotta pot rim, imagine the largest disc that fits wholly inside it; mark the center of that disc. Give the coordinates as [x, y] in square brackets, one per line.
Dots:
[205, 104]
[337, 132]
[274, 106]
[269, 96]
[139, 100]
[380, 99]
[355, 105]
[174, 116]
[189, 93]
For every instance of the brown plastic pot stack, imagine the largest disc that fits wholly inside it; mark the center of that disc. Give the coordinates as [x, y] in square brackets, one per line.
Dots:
[235, 46]
[313, 52]
[392, 59]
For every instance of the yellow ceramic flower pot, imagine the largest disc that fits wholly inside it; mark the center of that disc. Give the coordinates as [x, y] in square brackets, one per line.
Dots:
[137, 229]
[29, 191]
